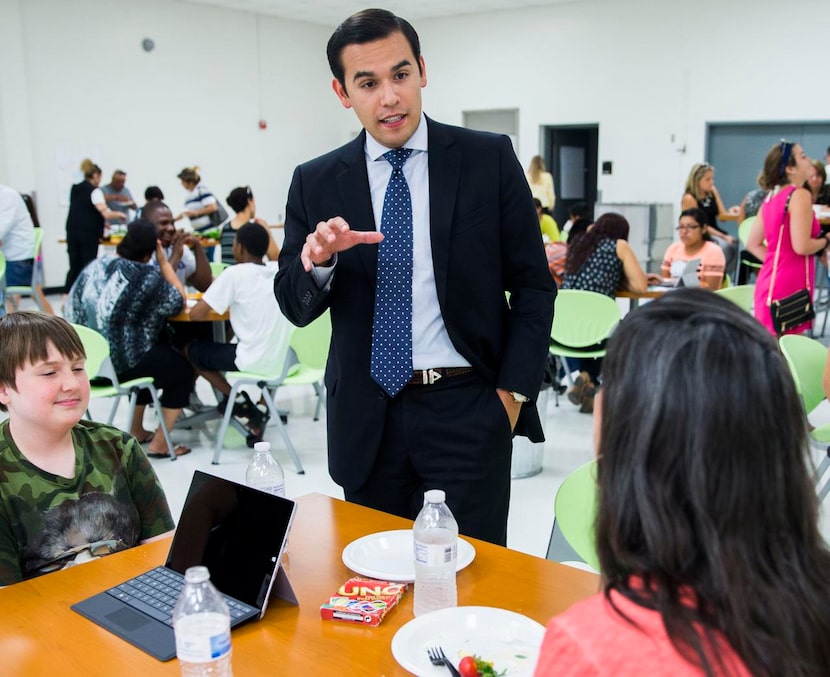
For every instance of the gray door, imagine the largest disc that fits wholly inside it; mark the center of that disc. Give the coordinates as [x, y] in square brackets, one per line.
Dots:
[737, 151]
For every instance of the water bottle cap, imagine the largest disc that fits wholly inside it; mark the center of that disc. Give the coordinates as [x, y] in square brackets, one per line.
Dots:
[262, 446]
[435, 496]
[196, 575]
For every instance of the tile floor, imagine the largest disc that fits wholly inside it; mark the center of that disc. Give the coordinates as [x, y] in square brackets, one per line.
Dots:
[569, 444]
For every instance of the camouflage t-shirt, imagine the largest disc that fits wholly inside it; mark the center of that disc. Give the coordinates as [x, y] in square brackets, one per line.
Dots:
[113, 502]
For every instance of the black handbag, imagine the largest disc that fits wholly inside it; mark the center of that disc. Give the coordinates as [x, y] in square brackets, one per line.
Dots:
[797, 308]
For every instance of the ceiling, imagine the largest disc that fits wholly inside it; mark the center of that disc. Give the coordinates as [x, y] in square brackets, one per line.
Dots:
[331, 12]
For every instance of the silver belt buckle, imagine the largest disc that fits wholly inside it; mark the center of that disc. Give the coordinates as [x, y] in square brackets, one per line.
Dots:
[429, 376]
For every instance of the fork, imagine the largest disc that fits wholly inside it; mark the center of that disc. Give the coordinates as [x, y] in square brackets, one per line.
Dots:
[438, 657]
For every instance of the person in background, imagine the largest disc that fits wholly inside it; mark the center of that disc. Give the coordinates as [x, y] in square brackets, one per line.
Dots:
[580, 217]
[151, 194]
[431, 396]
[600, 261]
[199, 203]
[86, 219]
[183, 250]
[541, 183]
[707, 521]
[700, 192]
[816, 184]
[827, 164]
[30, 205]
[694, 243]
[787, 225]
[262, 332]
[71, 489]
[241, 200]
[118, 197]
[547, 224]
[17, 240]
[128, 300]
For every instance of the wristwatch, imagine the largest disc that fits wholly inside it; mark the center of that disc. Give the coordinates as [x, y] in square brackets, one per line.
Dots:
[518, 397]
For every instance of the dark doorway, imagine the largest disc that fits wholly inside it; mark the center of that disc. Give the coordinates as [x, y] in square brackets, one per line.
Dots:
[571, 154]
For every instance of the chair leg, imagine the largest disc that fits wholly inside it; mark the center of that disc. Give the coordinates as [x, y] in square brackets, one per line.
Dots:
[223, 427]
[270, 400]
[164, 431]
[321, 399]
[116, 401]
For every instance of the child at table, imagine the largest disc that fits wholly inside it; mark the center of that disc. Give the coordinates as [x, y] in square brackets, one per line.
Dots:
[246, 290]
[69, 489]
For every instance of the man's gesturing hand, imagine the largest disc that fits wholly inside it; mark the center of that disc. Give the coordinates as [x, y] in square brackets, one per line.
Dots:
[330, 237]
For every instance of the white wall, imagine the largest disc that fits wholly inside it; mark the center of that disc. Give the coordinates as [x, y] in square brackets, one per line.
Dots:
[73, 76]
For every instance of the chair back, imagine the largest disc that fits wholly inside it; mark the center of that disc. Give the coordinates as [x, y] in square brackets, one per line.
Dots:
[583, 318]
[575, 509]
[742, 295]
[311, 343]
[216, 268]
[744, 228]
[805, 357]
[97, 350]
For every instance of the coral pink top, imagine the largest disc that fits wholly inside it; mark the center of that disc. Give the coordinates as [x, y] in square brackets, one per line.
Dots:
[592, 639]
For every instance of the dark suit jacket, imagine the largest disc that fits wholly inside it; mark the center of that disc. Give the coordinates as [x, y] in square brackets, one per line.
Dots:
[485, 241]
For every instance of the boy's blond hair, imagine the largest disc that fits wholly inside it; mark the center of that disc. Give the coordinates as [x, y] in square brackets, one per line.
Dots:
[25, 337]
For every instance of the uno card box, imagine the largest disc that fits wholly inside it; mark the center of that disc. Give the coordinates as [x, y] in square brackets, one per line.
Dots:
[363, 600]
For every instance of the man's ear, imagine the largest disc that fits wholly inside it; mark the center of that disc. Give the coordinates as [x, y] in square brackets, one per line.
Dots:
[340, 90]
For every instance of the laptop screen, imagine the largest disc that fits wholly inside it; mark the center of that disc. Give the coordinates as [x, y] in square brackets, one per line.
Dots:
[236, 532]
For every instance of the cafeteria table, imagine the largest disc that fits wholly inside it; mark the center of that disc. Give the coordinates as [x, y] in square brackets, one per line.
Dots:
[41, 635]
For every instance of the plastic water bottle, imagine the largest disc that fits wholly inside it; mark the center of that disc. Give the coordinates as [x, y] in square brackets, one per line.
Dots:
[436, 543]
[264, 471]
[202, 626]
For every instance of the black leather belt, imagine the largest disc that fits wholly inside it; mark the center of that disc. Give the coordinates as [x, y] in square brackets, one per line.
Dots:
[427, 377]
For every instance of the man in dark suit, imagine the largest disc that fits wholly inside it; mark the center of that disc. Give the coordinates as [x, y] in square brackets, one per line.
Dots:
[426, 386]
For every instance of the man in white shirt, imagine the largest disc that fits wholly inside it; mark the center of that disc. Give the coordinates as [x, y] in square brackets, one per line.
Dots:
[17, 240]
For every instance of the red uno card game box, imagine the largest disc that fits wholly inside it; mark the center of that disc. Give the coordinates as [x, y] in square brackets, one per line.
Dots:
[363, 600]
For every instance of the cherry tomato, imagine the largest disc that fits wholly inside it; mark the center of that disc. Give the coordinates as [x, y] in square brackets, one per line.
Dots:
[467, 667]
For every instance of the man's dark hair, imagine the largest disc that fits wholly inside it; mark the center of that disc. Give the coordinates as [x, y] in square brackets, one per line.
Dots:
[253, 238]
[153, 193]
[149, 209]
[368, 26]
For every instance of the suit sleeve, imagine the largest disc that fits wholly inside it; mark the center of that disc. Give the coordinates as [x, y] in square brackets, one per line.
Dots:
[298, 295]
[526, 278]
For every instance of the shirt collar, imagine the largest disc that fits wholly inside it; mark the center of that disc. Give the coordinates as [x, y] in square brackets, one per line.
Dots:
[417, 142]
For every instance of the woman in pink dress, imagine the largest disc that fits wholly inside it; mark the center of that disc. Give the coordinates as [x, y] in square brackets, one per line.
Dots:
[786, 168]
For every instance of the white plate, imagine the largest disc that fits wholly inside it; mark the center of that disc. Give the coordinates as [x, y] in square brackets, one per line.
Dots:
[510, 640]
[388, 555]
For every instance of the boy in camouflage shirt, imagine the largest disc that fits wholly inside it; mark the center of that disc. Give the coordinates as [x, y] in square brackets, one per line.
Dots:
[69, 489]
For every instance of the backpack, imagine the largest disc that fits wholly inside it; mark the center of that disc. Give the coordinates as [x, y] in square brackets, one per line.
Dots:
[556, 252]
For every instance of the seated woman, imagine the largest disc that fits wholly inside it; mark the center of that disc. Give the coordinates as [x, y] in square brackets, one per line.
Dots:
[711, 558]
[241, 200]
[547, 224]
[71, 489]
[817, 184]
[128, 300]
[600, 261]
[694, 243]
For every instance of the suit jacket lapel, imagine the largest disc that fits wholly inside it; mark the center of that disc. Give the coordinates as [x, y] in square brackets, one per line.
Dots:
[444, 173]
[353, 183]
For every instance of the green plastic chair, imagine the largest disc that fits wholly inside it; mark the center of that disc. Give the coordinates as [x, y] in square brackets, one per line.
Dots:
[575, 509]
[581, 321]
[806, 358]
[35, 289]
[742, 295]
[99, 365]
[2, 284]
[743, 234]
[304, 364]
[216, 268]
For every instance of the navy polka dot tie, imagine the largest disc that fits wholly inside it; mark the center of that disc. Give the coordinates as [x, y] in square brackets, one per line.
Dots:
[391, 365]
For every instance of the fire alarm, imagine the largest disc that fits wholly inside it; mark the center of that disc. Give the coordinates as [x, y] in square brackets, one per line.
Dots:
[263, 124]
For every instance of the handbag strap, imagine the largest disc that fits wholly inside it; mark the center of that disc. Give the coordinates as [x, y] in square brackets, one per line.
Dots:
[778, 251]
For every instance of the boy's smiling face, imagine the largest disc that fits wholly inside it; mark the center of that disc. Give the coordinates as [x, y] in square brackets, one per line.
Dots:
[49, 394]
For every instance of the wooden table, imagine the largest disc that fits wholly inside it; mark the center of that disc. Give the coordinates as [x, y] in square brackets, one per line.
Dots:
[41, 635]
[634, 297]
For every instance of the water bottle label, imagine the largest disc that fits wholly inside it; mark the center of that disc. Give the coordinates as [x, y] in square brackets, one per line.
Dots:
[434, 555]
[200, 640]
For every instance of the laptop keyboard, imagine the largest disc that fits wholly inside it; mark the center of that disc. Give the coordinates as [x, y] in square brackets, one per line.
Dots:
[155, 593]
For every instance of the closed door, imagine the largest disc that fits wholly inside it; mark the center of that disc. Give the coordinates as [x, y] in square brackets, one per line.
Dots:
[571, 155]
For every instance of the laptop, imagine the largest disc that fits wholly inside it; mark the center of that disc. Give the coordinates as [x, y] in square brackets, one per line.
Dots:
[687, 278]
[237, 532]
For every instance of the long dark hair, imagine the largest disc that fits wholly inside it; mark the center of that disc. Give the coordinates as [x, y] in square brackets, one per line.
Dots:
[707, 511]
[609, 226]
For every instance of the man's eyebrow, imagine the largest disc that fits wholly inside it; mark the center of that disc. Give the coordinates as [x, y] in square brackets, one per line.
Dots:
[371, 74]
